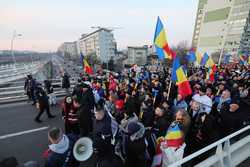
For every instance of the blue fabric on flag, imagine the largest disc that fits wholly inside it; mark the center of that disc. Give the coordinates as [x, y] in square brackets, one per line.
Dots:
[227, 59]
[191, 57]
[81, 58]
[204, 59]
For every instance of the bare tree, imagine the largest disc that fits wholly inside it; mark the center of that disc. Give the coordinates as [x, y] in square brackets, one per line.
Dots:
[181, 50]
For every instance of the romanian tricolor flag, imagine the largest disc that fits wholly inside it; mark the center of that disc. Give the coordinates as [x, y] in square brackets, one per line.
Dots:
[86, 66]
[227, 58]
[210, 74]
[208, 62]
[160, 41]
[204, 59]
[198, 57]
[174, 135]
[193, 56]
[180, 78]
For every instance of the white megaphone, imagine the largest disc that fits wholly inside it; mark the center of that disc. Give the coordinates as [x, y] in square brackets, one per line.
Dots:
[83, 149]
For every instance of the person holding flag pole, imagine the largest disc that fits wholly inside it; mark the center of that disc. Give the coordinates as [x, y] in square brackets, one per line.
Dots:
[184, 89]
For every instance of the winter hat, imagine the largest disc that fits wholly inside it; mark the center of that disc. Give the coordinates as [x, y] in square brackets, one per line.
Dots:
[119, 104]
[133, 127]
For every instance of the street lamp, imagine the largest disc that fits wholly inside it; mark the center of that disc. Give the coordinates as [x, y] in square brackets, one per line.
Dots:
[12, 45]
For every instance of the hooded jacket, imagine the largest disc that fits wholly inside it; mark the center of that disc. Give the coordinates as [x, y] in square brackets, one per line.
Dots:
[61, 154]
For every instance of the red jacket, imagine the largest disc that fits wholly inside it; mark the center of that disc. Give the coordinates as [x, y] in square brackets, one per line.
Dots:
[69, 113]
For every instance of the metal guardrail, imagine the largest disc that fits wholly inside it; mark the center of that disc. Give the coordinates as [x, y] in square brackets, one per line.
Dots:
[17, 93]
[20, 71]
[226, 155]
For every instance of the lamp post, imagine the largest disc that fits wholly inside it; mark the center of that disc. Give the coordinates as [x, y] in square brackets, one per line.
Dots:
[12, 46]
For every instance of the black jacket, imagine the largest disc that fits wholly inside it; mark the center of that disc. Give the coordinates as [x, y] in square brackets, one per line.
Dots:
[102, 135]
[65, 82]
[41, 96]
[161, 124]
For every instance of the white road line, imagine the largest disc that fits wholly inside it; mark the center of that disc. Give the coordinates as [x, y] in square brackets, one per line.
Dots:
[23, 132]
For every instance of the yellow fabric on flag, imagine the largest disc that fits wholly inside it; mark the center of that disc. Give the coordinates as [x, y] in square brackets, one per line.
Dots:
[160, 40]
[181, 77]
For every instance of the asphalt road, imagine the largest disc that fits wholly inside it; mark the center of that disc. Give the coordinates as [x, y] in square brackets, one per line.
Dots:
[15, 137]
[17, 118]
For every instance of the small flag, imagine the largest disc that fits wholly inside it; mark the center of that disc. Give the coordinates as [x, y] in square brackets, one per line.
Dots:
[86, 66]
[227, 58]
[179, 77]
[198, 57]
[162, 48]
[174, 135]
[210, 74]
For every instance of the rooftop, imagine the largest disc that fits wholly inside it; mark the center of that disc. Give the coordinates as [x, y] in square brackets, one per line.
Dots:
[100, 29]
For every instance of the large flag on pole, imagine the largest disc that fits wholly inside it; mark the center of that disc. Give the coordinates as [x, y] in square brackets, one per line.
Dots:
[180, 78]
[162, 48]
[204, 59]
[193, 56]
[86, 66]
[207, 61]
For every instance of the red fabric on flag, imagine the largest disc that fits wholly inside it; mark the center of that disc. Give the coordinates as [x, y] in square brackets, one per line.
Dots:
[184, 89]
[88, 69]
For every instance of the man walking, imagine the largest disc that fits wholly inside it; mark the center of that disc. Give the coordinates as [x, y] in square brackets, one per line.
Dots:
[43, 103]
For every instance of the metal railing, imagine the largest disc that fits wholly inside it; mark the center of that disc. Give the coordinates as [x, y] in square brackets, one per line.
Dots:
[19, 72]
[17, 93]
[226, 154]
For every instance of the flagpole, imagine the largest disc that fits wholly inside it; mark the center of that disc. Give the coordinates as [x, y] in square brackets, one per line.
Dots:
[169, 89]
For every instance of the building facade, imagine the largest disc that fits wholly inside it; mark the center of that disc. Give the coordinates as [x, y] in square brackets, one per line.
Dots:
[100, 42]
[245, 40]
[137, 55]
[220, 26]
[68, 49]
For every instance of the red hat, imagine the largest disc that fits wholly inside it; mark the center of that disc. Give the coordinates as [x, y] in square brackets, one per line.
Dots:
[119, 104]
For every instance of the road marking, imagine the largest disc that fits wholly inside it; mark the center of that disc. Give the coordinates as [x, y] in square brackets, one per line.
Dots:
[23, 132]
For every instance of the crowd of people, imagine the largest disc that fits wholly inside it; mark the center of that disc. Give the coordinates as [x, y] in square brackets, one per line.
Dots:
[134, 115]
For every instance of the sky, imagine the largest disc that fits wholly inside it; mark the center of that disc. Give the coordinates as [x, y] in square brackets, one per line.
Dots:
[45, 24]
